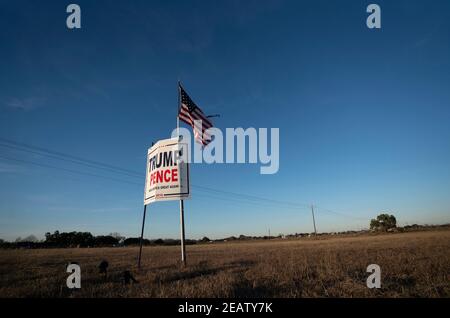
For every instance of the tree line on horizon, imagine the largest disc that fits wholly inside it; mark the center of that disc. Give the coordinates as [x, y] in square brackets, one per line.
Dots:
[383, 223]
[85, 239]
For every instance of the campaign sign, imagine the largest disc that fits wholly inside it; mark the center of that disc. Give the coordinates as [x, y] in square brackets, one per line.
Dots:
[167, 176]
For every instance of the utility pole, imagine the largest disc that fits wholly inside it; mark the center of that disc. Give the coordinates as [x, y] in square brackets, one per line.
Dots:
[314, 220]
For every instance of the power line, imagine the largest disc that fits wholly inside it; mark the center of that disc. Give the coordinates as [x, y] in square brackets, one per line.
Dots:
[130, 173]
[95, 164]
[260, 204]
[123, 181]
[68, 160]
[252, 197]
[68, 170]
[75, 159]
[339, 213]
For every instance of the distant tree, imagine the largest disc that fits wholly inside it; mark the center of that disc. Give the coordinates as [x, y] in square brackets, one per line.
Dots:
[169, 242]
[135, 241]
[187, 242]
[30, 238]
[118, 236]
[383, 222]
[69, 239]
[107, 240]
[205, 239]
[159, 242]
[131, 241]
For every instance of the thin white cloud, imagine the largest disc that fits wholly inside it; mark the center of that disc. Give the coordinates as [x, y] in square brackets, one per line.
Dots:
[9, 168]
[24, 104]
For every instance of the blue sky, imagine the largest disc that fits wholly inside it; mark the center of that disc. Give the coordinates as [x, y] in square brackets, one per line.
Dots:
[363, 114]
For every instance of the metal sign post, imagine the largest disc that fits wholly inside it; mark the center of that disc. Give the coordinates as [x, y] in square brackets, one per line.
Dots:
[183, 248]
[142, 236]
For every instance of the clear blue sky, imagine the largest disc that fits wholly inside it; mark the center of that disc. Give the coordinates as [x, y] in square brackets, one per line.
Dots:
[363, 114]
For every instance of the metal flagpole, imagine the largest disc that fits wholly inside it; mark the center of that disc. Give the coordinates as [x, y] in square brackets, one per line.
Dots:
[183, 248]
[142, 235]
[178, 111]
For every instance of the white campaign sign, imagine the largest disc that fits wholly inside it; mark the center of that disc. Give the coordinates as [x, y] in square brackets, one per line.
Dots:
[167, 176]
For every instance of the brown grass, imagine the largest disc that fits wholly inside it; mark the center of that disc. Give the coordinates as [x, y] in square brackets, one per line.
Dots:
[412, 264]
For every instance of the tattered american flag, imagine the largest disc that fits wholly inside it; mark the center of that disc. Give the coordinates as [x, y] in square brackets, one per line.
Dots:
[192, 115]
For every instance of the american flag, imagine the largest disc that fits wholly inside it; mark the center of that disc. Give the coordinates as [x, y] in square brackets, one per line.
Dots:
[192, 115]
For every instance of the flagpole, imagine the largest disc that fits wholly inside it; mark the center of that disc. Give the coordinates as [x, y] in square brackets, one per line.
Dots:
[183, 247]
[178, 110]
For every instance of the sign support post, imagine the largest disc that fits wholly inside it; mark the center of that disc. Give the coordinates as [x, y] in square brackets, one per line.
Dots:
[142, 237]
[183, 248]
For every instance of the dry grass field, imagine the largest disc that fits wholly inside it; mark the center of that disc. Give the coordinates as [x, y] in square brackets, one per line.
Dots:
[413, 265]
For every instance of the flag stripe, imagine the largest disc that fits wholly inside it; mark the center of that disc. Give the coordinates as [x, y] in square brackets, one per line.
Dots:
[189, 122]
[198, 115]
[186, 119]
[184, 109]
